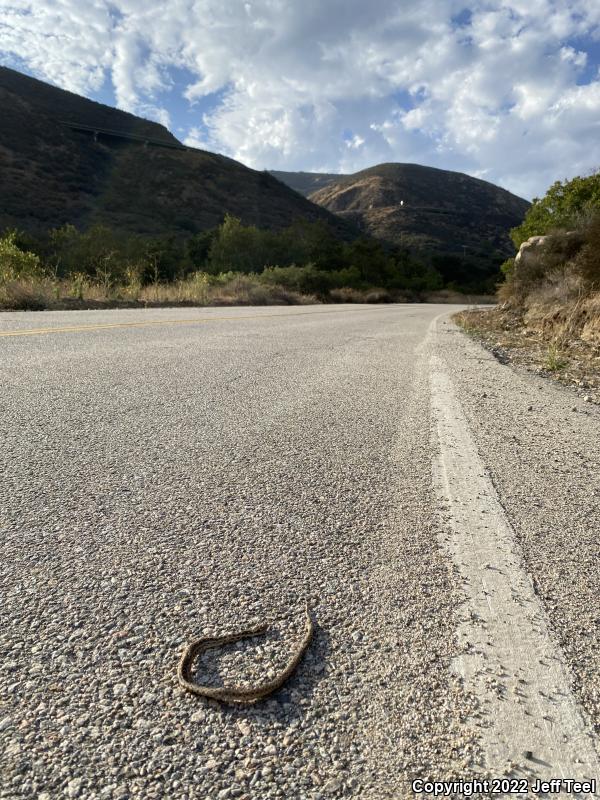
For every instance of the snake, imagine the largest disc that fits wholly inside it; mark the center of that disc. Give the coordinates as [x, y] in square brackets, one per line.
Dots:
[238, 694]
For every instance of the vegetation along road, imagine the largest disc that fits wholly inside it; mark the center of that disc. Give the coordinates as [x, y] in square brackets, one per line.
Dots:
[169, 474]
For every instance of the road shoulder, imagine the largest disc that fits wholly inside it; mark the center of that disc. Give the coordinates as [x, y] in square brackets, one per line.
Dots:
[539, 452]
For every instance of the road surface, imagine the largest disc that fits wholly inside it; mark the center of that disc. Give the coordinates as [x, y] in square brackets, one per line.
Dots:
[168, 474]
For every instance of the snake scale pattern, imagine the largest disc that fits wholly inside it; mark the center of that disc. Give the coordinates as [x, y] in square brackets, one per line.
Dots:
[237, 694]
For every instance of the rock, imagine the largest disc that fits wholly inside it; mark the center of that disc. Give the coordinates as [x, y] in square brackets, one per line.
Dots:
[565, 245]
[74, 787]
[332, 785]
[530, 249]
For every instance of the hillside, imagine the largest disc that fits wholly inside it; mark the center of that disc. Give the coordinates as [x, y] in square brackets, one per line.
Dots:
[307, 182]
[64, 158]
[548, 313]
[425, 208]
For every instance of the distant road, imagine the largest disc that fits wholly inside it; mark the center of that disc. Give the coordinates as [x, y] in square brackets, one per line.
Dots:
[173, 473]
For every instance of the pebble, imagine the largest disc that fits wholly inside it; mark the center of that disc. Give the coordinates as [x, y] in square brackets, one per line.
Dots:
[74, 787]
[332, 785]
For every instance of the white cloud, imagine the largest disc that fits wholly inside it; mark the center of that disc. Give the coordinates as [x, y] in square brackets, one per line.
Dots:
[356, 142]
[496, 95]
[576, 57]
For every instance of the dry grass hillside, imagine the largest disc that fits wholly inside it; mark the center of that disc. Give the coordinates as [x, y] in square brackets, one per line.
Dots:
[54, 173]
[426, 208]
[307, 182]
[548, 316]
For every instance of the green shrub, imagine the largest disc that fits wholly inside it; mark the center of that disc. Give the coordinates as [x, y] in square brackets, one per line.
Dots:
[554, 361]
[290, 277]
[563, 206]
[310, 279]
[15, 263]
[587, 261]
[507, 268]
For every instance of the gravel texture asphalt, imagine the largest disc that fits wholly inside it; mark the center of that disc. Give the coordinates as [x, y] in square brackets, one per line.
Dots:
[183, 478]
[540, 443]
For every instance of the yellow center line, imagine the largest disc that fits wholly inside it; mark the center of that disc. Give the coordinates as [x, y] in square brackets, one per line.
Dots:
[149, 323]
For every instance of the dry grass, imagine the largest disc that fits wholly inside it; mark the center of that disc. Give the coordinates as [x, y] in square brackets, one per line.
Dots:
[562, 314]
[26, 295]
[446, 296]
[245, 291]
[78, 293]
[451, 297]
[346, 294]
[199, 289]
[549, 317]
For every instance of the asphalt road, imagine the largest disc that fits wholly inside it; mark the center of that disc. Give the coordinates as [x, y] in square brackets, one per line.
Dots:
[168, 474]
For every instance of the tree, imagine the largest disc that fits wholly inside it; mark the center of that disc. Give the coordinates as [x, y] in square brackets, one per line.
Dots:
[165, 259]
[373, 263]
[236, 247]
[413, 274]
[198, 246]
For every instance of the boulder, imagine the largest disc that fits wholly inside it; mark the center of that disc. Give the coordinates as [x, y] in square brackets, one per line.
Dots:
[559, 246]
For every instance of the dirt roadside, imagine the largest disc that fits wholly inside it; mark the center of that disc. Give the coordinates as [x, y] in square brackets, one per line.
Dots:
[573, 363]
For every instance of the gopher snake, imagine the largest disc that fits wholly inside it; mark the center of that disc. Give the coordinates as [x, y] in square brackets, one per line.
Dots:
[236, 694]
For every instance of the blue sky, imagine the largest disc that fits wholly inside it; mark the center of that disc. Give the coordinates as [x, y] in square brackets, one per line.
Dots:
[506, 90]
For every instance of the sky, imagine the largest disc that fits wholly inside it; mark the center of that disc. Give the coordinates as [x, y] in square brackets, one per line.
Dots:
[505, 90]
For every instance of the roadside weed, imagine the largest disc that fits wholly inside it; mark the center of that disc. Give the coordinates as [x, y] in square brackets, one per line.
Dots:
[554, 361]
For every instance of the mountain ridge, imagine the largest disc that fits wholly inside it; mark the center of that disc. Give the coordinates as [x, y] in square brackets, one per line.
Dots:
[67, 159]
[426, 208]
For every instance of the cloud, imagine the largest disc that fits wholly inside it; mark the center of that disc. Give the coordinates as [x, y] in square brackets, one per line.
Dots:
[503, 88]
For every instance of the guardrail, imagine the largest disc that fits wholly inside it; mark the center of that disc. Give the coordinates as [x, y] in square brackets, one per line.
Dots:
[134, 137]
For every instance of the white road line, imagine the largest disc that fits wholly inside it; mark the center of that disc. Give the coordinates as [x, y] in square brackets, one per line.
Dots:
[529, 721]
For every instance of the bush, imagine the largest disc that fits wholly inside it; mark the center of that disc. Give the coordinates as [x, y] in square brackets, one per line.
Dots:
[16, 264]
[247, 290]
[568, 216]
[565, 205]
[507, 268]
[587, 261]
[311, 279]
[290, 277]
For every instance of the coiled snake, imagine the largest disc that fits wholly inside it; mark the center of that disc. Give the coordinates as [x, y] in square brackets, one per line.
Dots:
[237, 694]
